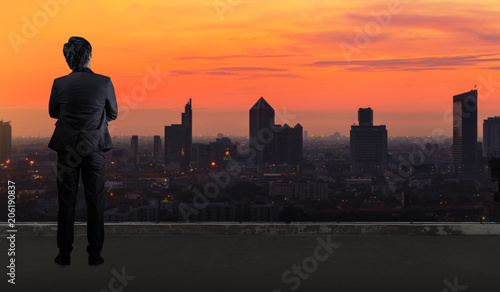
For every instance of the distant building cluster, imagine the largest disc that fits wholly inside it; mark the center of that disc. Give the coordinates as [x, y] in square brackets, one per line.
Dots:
[299, 191]
[271, 143]
[368, 175]
[214, 155]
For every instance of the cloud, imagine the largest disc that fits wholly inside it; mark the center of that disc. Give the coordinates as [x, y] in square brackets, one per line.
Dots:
[276, 75]
[410, 64]
[250, 69]
[9, 105]
[183, 72]
[220, 73]
[223, 57]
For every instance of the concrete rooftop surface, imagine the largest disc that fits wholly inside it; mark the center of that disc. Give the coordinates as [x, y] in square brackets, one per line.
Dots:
[261, 257]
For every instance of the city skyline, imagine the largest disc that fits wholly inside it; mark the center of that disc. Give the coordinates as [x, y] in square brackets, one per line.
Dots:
[282, 118]
[291, 52]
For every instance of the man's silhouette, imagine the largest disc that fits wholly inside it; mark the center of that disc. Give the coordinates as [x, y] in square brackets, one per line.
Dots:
[82, 102]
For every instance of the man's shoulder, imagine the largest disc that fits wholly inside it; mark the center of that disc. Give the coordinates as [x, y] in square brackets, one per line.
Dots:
[104, 77]
[90, 75]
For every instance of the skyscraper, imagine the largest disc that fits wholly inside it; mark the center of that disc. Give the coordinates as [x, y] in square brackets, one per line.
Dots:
[368, 145]
[134, 144]
[288, 145]
[491, 137]
[156, 147]
[178, 141]
[465, 132]
[261, 132]
[5, 141]
[365, 117]
[273, 144]
[187, 121]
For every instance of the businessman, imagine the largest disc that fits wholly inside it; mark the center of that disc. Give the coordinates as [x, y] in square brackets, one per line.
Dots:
[83, 103]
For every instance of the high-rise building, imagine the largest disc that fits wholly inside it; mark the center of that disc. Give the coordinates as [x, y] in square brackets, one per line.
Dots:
[273, 144]
[187, 121]
[491, 137]
[261, 131]
[465, 132]
[134, 144]
[368, 145]
[365, 117]
[288, 145]
[156, 147]
[5, 141]
[178, 141]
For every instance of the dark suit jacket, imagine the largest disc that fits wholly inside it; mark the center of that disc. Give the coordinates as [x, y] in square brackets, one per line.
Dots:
[83, 102]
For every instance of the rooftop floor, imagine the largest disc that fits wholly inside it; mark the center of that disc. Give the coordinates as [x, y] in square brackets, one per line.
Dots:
[207, 258]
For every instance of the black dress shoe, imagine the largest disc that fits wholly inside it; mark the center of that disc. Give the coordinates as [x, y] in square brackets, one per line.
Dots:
[63, 260]
[95, 260]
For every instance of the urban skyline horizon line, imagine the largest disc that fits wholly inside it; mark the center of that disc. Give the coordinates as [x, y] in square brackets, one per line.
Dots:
[283, 119]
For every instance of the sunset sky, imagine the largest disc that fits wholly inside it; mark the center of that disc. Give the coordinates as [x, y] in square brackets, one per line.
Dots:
[411, 59]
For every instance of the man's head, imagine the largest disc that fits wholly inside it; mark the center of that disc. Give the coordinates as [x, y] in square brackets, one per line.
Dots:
[77, 52]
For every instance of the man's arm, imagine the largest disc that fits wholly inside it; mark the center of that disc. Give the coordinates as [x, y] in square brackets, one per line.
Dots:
[54, 105]
[111, 106]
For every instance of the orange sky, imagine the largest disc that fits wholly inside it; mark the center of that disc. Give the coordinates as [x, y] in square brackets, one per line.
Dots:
[407, 68]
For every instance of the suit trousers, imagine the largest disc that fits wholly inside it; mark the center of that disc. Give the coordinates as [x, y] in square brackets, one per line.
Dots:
[91, 167]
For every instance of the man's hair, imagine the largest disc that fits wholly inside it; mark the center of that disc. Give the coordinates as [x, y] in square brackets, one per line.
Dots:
[77, 52]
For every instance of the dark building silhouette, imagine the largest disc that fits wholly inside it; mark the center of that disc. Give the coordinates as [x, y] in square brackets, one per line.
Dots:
[261, 131]
[365, 117]
[214, 155]
[222, 152]
[491, 137]
[288, 145]
[134, 144]
[200, 155]
[273, 144]
[156, 147]
[465, 132]
[178, 140]
[368, 145]
[5, 141]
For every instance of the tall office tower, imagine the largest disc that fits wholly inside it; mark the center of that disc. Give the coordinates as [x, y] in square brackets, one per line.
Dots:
[261, 131]
[465, 132]
[295, 144]
[288, 145]
[156, 147]
[368, 145]
[187, 115]
[365, 117]
[134, 143]
[178, 140]
[5, 141]
[491, 137]
[187, 121]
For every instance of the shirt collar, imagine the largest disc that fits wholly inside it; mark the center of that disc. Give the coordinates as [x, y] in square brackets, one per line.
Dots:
[86, 69]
